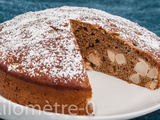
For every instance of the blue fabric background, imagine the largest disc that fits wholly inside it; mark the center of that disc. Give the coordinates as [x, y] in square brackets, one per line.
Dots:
[144, 12]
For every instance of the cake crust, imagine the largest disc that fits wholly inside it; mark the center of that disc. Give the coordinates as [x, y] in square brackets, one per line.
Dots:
[38, 96]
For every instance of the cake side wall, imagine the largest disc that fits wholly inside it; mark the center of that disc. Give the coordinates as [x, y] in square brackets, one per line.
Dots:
[29, 94]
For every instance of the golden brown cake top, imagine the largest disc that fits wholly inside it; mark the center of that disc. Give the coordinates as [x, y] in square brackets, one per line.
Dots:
[39, 46]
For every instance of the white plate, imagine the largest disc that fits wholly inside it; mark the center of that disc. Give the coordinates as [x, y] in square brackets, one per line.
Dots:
[113, 99]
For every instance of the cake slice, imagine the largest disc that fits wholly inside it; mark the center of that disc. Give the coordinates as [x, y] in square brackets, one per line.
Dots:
[43, 56]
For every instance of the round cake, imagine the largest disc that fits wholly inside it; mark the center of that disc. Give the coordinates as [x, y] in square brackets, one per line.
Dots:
[43, 55]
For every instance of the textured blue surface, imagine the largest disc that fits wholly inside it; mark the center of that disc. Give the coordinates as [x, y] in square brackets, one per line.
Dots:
[144, 12]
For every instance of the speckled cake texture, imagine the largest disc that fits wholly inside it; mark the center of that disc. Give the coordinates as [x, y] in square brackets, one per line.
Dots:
[39, 46]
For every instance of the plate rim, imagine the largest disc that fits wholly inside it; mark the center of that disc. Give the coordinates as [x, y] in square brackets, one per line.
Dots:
[122, 116]
[105, 117]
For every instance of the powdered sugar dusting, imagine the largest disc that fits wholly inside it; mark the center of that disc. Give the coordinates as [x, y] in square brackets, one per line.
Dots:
[39, 44]
[35, 49]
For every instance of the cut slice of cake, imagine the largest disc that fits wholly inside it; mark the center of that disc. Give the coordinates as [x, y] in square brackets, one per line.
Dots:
[41, 62]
